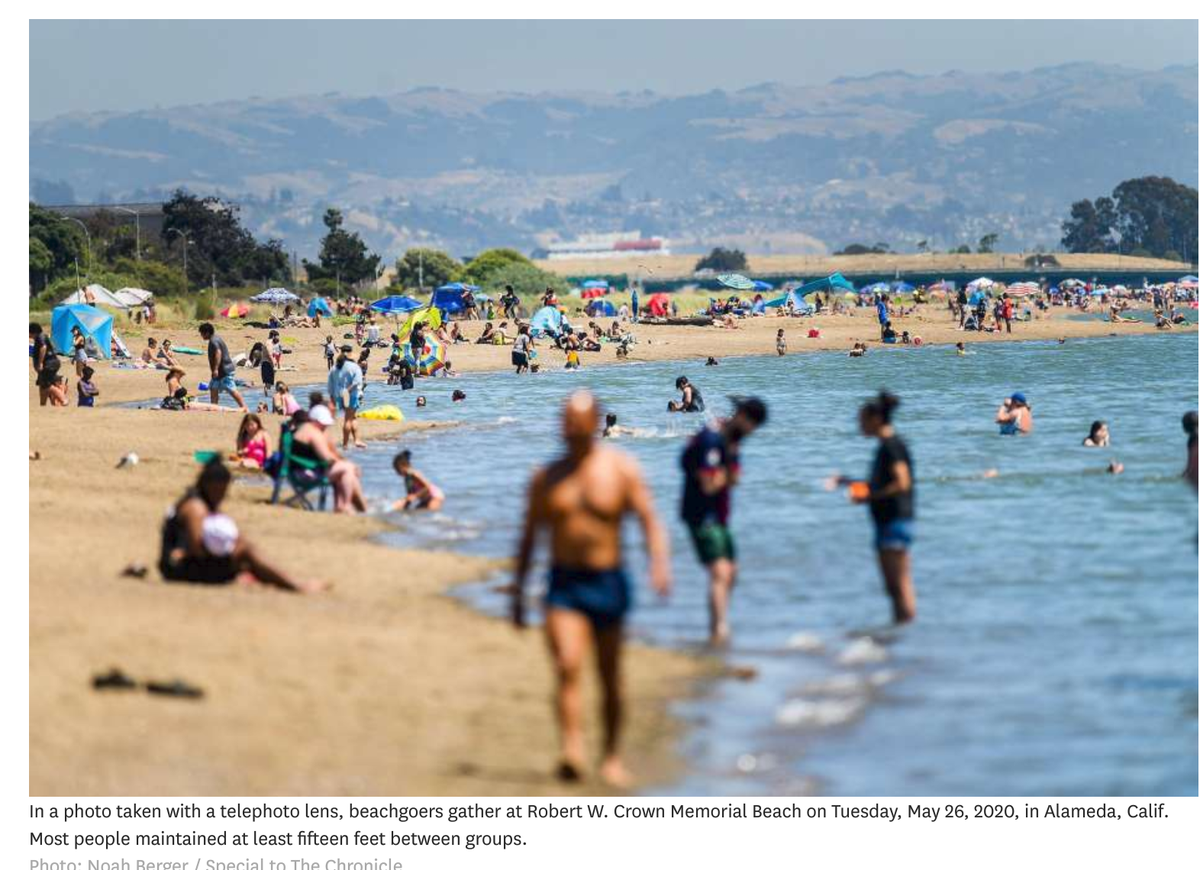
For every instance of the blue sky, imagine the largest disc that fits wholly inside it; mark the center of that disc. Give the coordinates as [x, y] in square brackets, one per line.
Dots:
[123, 65]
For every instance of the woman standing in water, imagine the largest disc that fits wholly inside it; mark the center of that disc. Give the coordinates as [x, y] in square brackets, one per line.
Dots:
[889, 493]
[1014, 416]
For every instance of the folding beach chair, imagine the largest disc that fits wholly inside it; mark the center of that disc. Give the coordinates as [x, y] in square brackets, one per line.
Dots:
[302, 474]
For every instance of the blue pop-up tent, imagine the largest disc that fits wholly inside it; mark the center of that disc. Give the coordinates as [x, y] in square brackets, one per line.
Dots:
[547, 321]
[396, 304]
[449, 297]
[319, 305]
[94, 323]
[601, 308]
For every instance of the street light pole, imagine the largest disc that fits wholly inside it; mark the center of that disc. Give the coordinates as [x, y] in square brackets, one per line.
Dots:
[137, 229]
[186, 242]
[76, 274]
[86, 235]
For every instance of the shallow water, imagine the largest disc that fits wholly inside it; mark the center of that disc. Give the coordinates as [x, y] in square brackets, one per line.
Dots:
[1056, 647]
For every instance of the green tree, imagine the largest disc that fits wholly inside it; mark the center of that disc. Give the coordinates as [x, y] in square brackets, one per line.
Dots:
[526, 279]
[344, 255]
[723, 260]
[987, 244]
[219, 242]
[1157, 214]
[426, 267]
[63, 239]
[479, 269]
[41, 264]
[1090, 227]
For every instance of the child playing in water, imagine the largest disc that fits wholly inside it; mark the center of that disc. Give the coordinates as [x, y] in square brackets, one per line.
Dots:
[780, 343]
[1098, 436]
[421, 494]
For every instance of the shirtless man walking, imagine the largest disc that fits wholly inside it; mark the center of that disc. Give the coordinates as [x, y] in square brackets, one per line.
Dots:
[581, 499]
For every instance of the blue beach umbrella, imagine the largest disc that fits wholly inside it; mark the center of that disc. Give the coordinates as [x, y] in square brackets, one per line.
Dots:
[396, 305]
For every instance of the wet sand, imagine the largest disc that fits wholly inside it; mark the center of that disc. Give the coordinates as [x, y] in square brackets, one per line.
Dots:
[383, 685]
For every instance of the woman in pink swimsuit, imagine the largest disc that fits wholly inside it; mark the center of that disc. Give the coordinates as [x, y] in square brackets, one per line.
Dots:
[253, 445]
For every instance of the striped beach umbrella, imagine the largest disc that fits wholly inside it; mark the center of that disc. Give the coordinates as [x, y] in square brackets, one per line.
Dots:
[429, 359]
[734, 281]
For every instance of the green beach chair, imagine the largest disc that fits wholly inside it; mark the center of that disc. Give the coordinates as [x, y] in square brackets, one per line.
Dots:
[302, 474]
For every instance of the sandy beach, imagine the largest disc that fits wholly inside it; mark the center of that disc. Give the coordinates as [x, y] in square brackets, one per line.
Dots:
[383, 685]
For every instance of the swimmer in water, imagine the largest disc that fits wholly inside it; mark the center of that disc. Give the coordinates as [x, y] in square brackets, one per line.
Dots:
[711, 361]
[580, 499]
[690, 401]
[960, 349]
[420, 401]
[1098, 435]
[420, 494]
[1015, 416]
[1189, 426]
[611, 429]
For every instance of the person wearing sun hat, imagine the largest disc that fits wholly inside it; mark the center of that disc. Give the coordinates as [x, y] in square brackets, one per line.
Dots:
[1015, 416]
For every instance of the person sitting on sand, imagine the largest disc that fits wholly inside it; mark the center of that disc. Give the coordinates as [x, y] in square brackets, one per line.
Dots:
[253, 444]
[1114, 315]
[488, 335]
[1162, 322]
[166, 356]
[1098, 435]
[420, 494]
[312, 441]
[1015, 416]
[149, 353]
[202, 545]
[174, 379]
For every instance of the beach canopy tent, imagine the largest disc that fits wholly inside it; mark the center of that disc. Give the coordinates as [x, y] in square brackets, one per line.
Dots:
[319, 305]
[877, 289]
[396, 304]
[93, 323]
[601, 308]
[593, 292]
[830, 282]
[594, 287]
[133, 296]
[734, 281]
[276, 296]
[449, 297]
[546, 321]
[100, 294]
[796, 298]
[659, 305]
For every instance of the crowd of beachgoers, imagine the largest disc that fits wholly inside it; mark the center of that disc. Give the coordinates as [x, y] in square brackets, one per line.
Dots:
[577, 501]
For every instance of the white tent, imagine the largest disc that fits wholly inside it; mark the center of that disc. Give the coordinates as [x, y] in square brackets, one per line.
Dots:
[100, 296]
[133, 296]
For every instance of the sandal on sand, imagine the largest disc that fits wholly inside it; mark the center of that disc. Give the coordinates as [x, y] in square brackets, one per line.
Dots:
[135, 570]
[175, 688]
[114, 679]
[567, 772]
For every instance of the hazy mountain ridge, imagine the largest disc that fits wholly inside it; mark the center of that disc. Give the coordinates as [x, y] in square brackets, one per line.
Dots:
[890, 157]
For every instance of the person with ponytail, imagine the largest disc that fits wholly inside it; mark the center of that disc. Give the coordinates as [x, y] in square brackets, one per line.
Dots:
[889, 493]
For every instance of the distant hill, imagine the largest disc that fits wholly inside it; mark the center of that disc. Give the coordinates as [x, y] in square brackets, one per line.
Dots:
[890, 158]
